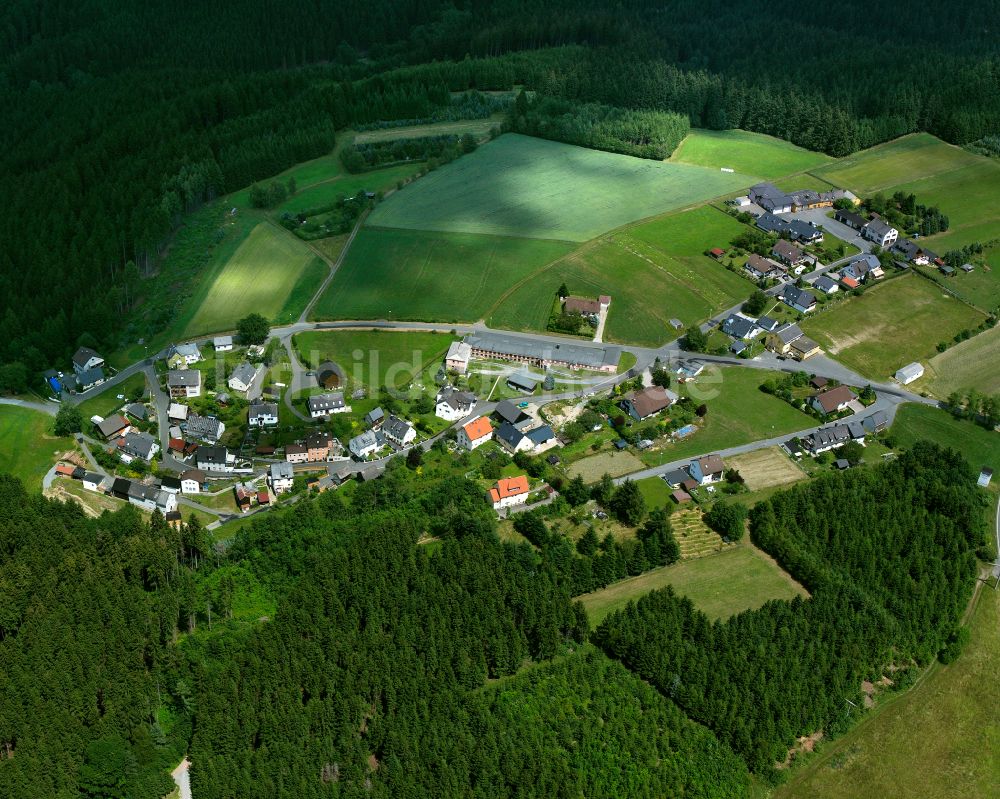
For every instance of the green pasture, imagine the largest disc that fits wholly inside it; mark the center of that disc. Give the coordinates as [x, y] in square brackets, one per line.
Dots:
[749, 153]
[27, 447]
[980, 447]
[329, 191]
[973, 364]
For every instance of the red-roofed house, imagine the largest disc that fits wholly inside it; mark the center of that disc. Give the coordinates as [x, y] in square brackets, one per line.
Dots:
[509, 491]
[474, 433]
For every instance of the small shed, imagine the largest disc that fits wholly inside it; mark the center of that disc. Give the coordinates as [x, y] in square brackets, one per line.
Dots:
[680, 496]
[522, 382]
[909, 373]
[947, 271]
[621, 443]
[842, 463]
[676, 324]
[985, 475]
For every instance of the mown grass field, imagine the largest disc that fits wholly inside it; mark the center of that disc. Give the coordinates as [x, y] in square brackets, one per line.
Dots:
[972, 364]
[27, 446]
[749, 153]
[347, 185]
[655, 492]
[647, 289]
[766, 468]
[433, 277]
[981, 287]
[259, 277]
[738, 413]
[615, 463]
[520, 186]
[980, 447]
[738, 578]
[106, 402]
[939, 739]
[891, 325]
[894, 163]
[689, 233]
[374, 358]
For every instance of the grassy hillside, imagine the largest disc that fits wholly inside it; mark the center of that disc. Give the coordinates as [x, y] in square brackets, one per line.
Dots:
[259, 277]
[520, 186]
[891, 325]
[978, 446]
[27, 447]
[420, 275]
[972, 364]
[749, 153]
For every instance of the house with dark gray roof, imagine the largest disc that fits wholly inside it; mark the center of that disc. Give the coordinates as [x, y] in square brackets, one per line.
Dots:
[803, 231]
[522, 382]
[242, 377]
[398, 431]
[204, 428]
[826, 285]
[138, 445]
[184, 383]
[89, 378]
[85, 358]
[827, 438]
[263, 414]
[512, 439]
[801, 300]
[770, 198]
[214, 459]
[770, 223]
[882, 234]
[327, 404]
[850, 218]
[740, 327]
[508, 412]
[375, 417]
[113, 426]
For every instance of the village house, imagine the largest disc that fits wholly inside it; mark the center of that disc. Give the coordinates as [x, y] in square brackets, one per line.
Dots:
[542, 438]
[801, 300]
[181, 356]
[177, 413]
[826, 439]
[326, 404]
[759, 267]
[183, 383]
[242, 377]
[366, 444]
[222, 343]
[767, 324]
[453, 405]
[296, 453]
[833, 400]
[263, 414]
[474, 433]
[457, 359]
[319, 445]
[589, 308]
[214, 459]
[399, 432]
[375, 418]
[707, 469]
[92, 481]
[770, 198]
[281, 477]
[508, 347]
[912, 252]
[804, 347]
[741, 327]
[512, 439]
[88, 379]
[805, 232]
[780, 341]
[137, 445]
[137, 411]
[113, 426]
[244, 495]
[882, 234]
[509, 491]
[861, 268]
[204, 428]
[787, 253]
[171, 484]
[770, 223]
[85, 359]
[648, 402]
[192, 481]
[826, 285]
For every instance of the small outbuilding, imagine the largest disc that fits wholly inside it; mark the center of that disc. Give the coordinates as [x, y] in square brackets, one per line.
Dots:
[909, 373]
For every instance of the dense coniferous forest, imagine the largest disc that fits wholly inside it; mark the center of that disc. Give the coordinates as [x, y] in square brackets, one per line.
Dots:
[120, 117]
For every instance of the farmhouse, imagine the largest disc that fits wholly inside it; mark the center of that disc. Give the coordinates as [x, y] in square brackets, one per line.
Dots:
[707, 469]
[137, 445]
[826, 439]
[204, 428]
[366, 444]
[326, 404]
[804, 347]
[760, 267]
[509, 491]
[770, 198]
[542, 438]
[741, 327]
[180, 356]
[474, 433]
[851, 219]
[88, 379]
[85, 359]
[508, 412]
[457, 359]
[522, 382]
[222, 343]
[192, 480]
[909, 373]
[183, 383]
[787, 253]
[453, 405]
[242, 377]
[833, 400]
[882, 234]
[650, 401]
[215, 459]
[113, 426]
[399, 432]
[328, 375]
[807, 232]
[801, 300]
[600, 358]
[586, 307]
[263, 414]
[780, 341]
[512, 439]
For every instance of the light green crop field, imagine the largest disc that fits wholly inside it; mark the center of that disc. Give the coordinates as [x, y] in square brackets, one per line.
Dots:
[647, 289]
[940, 738]
[27, 447]
[736, 579]
[375, 358]
[521, 186]
[689, 233]
[749, 153]
[980, 447]
[894, 163]
[327, 192]
[891, 325]
[738, 413]
[425, 276]
[259, 277]
[972, 364]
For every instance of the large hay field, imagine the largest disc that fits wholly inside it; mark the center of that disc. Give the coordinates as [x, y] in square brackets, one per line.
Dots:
[521, 186]
[973, 364]
[616, 464]
[431, 277]
[891, 325]
[766, 468]
[749, 153]
[980, 447]
[259, 277]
